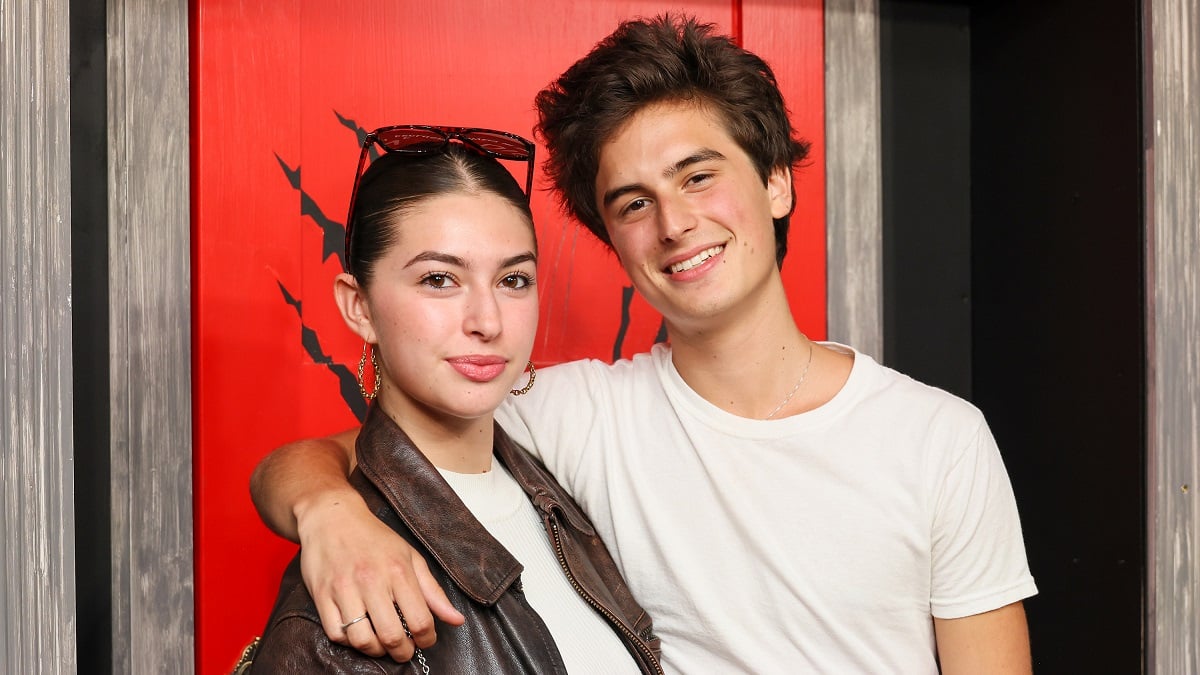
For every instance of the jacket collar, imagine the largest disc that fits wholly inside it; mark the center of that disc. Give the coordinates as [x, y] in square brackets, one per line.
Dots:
[545, 493]
[412, 486]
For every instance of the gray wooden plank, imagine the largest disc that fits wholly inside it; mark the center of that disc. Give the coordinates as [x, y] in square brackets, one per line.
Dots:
[854, 246]
[1173, 333]
[150, 324]
[37, 565]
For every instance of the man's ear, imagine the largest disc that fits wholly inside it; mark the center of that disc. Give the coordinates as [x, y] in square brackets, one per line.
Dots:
[779, 190]
[351, 300]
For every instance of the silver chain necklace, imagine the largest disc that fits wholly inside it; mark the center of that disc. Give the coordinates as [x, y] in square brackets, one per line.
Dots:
[798, 383]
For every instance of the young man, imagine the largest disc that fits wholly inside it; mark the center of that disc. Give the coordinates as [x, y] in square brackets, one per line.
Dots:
[777, 505]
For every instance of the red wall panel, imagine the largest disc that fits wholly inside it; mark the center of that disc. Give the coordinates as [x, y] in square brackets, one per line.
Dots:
[791, 37]
[273, 164]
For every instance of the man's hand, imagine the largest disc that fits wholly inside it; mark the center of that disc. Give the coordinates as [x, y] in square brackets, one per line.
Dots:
[991, 642]
[352, 563]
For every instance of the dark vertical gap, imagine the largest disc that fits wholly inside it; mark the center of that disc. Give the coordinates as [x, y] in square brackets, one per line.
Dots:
[89, 342]
[925, 137]
[1059, 314]
[1055, 346]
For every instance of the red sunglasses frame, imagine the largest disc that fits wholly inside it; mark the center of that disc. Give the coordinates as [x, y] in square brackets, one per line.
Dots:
[425, 139]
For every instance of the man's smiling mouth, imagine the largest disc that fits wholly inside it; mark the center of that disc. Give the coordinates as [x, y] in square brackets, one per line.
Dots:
[684, 265]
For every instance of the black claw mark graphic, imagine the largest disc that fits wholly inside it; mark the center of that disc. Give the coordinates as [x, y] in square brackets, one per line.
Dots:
[333, 244]
[661, 336]
[333, 239]
[626, 298]
[359, 132]
[312, 344]
[291, 300]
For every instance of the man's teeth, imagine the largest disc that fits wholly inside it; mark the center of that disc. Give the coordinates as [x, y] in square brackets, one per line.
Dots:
[695, 260]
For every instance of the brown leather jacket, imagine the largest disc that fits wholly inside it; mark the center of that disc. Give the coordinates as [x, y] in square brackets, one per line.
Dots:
[503, 634]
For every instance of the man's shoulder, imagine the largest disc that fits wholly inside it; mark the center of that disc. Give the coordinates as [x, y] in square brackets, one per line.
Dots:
[880, 385]
[584, 387]
[603, 373]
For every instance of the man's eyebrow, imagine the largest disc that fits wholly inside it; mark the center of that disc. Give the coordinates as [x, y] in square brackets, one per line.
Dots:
[435, 256]
[616, 193]
[701, 155]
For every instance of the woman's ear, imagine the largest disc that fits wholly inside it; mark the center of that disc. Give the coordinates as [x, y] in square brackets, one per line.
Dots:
[779, 190]
[351, 299]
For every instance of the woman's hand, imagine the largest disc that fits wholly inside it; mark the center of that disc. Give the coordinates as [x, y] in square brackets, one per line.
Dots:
[354, 564]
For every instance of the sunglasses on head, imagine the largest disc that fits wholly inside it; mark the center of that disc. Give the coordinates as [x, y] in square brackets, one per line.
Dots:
[423, 139]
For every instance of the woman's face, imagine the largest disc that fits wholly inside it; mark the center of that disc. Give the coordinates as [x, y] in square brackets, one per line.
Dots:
[453, 306]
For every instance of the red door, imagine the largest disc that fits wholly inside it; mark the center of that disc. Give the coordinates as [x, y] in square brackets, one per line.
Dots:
[280, 89]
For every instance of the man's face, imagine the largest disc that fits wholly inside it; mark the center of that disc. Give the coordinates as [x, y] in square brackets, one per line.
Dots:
[687, 213]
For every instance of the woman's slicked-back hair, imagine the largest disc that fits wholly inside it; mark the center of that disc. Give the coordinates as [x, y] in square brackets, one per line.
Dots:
[396, 183]
[660, 60]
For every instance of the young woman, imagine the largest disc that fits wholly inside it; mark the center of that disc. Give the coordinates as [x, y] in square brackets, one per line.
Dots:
[441, 261]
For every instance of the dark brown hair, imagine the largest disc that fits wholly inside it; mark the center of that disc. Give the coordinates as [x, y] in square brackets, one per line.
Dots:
[395, 183]
[648, 61]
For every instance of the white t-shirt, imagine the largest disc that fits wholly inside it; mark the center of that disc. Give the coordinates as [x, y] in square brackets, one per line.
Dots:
[584, 639]
[821, 542]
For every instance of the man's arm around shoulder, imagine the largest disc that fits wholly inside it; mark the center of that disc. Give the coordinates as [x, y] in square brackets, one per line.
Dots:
[299, 475]
[352, 563]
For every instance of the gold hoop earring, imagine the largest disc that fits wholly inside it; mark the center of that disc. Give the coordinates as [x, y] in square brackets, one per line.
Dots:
[362, 362]
[529, 385]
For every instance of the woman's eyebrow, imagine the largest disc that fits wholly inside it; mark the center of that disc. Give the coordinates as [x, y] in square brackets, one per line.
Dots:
[456, 261]
[436, 256]
[527, 256]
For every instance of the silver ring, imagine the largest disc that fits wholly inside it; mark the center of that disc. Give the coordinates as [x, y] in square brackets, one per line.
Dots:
[353, 621]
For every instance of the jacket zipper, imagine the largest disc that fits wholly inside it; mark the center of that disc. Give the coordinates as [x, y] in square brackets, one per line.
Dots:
[583, 593]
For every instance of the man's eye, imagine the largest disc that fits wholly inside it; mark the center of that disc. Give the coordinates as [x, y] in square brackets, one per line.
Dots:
[636, 205]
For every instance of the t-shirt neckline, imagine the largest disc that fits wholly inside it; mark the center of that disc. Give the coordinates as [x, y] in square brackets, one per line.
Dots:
[688, 402]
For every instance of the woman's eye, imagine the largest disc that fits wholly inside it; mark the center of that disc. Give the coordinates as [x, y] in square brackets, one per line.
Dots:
[515, 281]
[437, 280]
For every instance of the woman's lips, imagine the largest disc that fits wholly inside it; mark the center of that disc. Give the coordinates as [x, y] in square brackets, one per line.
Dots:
[478, 368]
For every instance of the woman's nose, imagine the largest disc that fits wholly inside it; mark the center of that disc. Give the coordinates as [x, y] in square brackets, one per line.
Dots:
[482, 316]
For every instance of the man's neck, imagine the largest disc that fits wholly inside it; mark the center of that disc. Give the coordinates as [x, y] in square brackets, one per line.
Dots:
[750, 364]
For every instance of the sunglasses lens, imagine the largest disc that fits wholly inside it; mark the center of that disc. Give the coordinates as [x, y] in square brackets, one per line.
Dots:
[498, 144]
[408, 139]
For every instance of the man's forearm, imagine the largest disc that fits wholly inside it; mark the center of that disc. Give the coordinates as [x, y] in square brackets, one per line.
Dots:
[301, 476]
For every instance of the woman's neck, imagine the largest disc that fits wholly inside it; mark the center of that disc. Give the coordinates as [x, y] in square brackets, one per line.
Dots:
[450, 443]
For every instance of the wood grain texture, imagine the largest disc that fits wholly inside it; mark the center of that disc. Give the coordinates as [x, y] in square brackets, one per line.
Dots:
[854, 246]
[1173, 283]
[149, 305]
[37, 565]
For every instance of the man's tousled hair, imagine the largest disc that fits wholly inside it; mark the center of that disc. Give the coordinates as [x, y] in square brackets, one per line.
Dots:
[660, 60]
